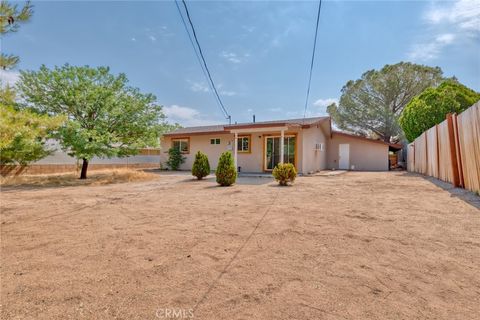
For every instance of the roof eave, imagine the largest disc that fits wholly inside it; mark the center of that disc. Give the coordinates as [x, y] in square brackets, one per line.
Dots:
[199, 133]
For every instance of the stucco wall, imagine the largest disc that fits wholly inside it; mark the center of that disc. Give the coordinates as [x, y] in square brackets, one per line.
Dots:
[199, 143]
[364, 155]
[313, 160]
[253, 161]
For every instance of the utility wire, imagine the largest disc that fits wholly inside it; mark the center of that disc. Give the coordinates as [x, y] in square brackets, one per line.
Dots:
[222, 106]
[313, 59]
[195, 48]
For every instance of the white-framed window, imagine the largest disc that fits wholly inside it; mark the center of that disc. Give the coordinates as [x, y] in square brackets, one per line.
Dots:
[181, 144]
[319, 146]
[215, 141]
[243, 144]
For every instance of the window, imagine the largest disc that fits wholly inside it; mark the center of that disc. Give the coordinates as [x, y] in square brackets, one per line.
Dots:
[215, 141]
[243, 144]
[183, 145]
[319, 147]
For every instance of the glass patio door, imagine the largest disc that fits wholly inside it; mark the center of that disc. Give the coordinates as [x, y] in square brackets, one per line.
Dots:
[272, 151]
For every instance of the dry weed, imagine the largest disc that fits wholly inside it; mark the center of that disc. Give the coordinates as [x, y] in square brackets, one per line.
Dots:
[72, 179]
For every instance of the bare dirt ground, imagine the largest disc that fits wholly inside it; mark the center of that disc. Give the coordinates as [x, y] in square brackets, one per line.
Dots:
[349, 246]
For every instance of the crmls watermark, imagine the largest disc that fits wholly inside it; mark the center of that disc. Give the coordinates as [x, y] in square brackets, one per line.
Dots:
[174, 313]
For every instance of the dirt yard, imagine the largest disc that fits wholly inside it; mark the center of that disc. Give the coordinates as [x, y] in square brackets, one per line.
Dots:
[350, 246]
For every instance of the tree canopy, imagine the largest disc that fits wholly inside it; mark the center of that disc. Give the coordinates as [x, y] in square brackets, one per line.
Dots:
[23, 135]
[11, 16]
[371, 105]
[106, 117]
[432, 105]
[7, 94]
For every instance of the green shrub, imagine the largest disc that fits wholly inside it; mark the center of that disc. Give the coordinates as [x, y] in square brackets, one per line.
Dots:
[226, 172]
[201, 167]
[175, 158]
[284, 173]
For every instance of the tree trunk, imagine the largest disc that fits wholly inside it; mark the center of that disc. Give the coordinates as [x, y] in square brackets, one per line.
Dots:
[83, 175]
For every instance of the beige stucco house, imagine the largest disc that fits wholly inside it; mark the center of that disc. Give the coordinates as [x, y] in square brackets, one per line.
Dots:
[310, 144]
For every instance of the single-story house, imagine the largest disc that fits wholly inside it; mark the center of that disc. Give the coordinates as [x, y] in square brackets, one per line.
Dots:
[310, 144]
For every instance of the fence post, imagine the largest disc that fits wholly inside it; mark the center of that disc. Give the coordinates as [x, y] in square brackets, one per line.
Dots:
[426, 153]
[458, 153]
[453, 150]
[438, 153]
[414, 165]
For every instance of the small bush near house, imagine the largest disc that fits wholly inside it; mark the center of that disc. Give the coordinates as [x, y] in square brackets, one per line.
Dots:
[175, 158]
[226, 172]
[284, 173]
[201, 167]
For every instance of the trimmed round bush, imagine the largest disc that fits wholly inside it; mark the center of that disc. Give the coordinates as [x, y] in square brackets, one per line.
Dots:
[201, 167]
[226, 172]
[284, 173]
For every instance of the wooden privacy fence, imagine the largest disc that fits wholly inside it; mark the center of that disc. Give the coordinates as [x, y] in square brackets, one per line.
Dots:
[450, 151]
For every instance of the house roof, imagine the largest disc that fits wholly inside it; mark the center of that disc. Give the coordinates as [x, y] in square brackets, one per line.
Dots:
[197, 130]
[393, 146]
[277, 123]
[215, 129]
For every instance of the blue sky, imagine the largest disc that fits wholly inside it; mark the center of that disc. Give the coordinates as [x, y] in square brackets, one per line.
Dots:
[258, 52]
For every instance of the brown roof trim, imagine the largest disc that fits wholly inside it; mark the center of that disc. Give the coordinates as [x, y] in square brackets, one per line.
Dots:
[200, 133]
[394, 145]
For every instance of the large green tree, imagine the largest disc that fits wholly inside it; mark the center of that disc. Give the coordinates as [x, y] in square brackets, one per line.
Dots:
[432, 105]
[106, 117]
[11, 16]
[371, 105]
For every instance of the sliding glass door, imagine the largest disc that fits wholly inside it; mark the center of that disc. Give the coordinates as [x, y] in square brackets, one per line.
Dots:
[272, 151]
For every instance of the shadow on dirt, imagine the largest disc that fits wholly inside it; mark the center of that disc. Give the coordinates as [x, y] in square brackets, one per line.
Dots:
[462, 194]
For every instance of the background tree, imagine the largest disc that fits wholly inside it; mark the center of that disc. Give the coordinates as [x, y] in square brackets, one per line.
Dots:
[106, 118]
[23, 135]
[371, 105]
[11, 16]
[7, 94]
[168, 127]
[432, 105]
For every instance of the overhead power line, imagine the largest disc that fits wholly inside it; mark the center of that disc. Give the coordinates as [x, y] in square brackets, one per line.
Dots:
[196, 52]
[313, 59]
[202, 58]
[194, 46]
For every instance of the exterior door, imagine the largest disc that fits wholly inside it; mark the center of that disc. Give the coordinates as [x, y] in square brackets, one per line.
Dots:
[343, 156]
[272, 151]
